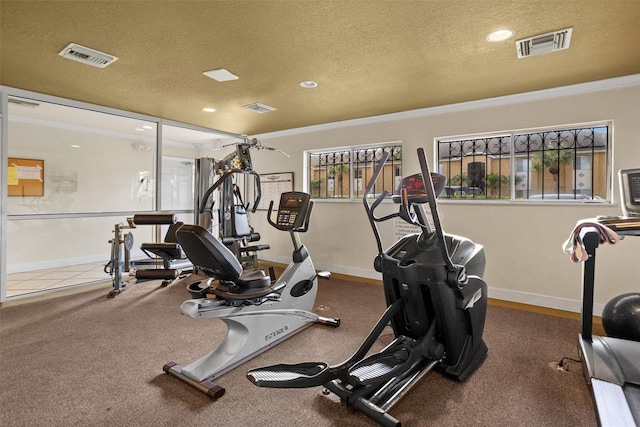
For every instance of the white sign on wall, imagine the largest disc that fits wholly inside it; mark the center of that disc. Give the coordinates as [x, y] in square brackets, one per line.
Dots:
[272, 185]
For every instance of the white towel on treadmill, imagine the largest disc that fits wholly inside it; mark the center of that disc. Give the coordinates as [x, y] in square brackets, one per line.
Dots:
[574, 246]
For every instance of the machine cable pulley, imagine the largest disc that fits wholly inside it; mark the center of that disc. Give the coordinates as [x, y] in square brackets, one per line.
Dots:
[258, 146]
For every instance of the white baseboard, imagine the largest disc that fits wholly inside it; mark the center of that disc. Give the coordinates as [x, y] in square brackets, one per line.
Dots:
[539, 300]
[55, 263]
[349, 271]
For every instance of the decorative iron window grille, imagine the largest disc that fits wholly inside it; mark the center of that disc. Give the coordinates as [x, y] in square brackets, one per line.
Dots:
[344, 173]
[559, 164]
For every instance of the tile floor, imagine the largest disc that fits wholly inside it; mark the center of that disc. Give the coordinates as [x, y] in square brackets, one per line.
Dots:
[29, 282]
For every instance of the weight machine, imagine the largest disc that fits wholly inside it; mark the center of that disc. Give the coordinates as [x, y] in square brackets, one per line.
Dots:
[167, 258]
[233, 227]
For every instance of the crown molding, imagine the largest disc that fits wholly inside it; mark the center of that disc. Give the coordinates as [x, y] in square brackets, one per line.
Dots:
[576, 89]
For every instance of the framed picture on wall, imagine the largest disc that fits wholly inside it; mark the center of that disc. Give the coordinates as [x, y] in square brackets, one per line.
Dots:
[25, 177]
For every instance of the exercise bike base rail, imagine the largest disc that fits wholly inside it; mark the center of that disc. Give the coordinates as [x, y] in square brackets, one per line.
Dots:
[207, 386]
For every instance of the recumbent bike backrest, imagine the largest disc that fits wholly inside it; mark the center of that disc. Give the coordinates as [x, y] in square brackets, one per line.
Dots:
[208, 253]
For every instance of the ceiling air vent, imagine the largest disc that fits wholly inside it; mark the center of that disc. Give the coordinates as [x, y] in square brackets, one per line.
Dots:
[544, 43]
[258, 108]
[23, 103]
[87, 56]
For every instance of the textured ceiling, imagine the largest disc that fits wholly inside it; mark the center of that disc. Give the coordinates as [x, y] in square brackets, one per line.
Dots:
[369, 57]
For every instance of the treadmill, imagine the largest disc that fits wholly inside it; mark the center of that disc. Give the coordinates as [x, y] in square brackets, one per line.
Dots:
[611, 365]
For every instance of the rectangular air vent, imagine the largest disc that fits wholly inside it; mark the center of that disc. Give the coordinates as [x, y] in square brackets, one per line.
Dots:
[23, 103]
[87, 55]
[544, 43]
[259, 108]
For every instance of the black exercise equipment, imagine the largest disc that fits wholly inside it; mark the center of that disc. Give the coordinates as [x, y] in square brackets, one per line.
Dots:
[630, 192]
[232, 222]
[621, 317]
[436, 307]
[167, 258]
[611, 365]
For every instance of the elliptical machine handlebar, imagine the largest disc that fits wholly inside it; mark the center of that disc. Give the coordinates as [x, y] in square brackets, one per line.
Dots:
[370, 209]
[404, 211]
[431, 199]
[456, 273]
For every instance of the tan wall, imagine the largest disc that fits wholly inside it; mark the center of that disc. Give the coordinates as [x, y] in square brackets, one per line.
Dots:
[522, 240]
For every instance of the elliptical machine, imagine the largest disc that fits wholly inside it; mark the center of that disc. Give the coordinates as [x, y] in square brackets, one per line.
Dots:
[436, 306]
[259, 312]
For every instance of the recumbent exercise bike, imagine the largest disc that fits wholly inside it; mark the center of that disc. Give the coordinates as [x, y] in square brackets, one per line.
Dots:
[436, 306]
[259, 312]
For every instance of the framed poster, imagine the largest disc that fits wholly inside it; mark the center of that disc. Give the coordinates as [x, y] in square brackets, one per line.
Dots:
[25, 177]
[272, 185]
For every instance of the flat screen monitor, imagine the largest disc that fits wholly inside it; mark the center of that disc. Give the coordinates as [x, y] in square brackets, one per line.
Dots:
[630, 191]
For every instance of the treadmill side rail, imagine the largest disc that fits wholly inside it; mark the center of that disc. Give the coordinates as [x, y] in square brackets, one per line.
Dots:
[611, 404]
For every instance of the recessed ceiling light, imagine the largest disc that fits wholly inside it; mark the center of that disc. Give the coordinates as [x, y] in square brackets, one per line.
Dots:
[220, 75]
[500, 35]
[308, 84]
[209, 110]
[75, 146]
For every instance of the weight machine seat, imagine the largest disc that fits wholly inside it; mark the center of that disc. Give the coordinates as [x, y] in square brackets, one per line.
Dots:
[168, 250]
[256, 285]
[163, 250]
[212, 257]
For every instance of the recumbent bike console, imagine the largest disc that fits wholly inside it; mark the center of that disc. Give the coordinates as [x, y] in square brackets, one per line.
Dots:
[292, 211]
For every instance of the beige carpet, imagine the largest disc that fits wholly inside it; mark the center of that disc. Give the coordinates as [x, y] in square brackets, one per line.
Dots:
[85, 360]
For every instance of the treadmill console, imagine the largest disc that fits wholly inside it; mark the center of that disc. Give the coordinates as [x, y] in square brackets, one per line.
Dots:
[292, 212]
[630, 191]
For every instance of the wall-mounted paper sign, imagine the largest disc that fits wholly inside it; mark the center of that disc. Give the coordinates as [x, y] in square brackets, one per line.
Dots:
[12, 175]
[272, 185]
[25, 177]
